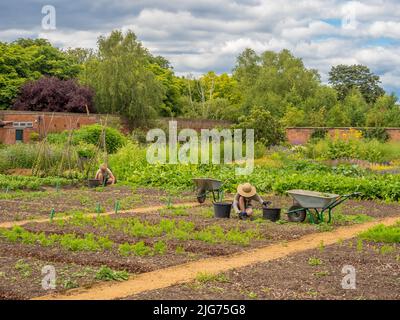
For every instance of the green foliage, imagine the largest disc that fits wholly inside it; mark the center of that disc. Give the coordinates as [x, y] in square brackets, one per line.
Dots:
[339, 218]
[68, 241]
[138, 249]
[267, 129]
[379, 134]
[352, 148]
[27, 59]
[293, 117]
[24, 268]
[92, 134]
[319, 133]
[205, 277]
[382, 233]
[345, 78]
[120, 74]
[19, 156]
[274, 80]
[313, 261]
[33, 183]
[107, 274]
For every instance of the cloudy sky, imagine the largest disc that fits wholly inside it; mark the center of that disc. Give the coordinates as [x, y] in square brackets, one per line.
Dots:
[202, 35]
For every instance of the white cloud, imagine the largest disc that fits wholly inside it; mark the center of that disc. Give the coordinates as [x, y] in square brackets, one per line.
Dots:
[202, 35]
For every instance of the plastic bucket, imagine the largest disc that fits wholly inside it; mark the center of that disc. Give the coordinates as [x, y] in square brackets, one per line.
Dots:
[273, 214]
[93, 183]
[222, 210]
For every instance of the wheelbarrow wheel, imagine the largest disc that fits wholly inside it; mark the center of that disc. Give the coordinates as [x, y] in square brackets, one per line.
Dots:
[201, 199]
[298, 216]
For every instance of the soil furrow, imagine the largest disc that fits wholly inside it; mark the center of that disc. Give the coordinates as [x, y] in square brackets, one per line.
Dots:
[166, 277]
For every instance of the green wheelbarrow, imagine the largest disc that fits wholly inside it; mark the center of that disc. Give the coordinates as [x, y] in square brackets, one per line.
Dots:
[314, 204]
[205, 186]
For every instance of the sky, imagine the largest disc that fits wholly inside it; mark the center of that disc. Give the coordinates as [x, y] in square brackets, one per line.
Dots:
[197, 36]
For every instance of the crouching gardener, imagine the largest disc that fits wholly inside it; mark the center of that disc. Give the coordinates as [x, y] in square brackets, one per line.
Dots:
[242, 201]
[105, 175]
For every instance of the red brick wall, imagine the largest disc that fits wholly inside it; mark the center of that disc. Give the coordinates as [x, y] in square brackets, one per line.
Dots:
[197, 124]
[43, 123]
[303, 135]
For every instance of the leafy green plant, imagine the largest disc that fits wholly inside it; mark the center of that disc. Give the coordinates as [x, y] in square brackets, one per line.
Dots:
[205, 277]
[314, 261]
[386, 249]
[107, 274]
[23, 268]
[382, 233]
[138, 249]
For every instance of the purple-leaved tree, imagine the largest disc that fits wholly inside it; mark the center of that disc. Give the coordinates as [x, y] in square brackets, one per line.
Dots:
[52, 94]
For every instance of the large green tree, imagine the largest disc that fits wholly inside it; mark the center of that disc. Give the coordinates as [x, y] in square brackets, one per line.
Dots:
[344, 78]
[274, 80]
[30, 59]
[121, 77]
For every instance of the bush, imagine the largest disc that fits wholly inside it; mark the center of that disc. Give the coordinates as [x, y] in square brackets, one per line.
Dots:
[34, 137]
[267, 129]
[91, 134]
[53, 94]
[379, 134]
[319, 133]
[86, 150]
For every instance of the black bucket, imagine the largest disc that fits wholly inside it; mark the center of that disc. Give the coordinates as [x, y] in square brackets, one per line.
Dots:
[273, 214]
[93, 183]
[222, 209]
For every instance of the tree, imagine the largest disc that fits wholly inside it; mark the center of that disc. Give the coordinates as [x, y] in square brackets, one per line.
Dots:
[274, 80]
[385, 112]
[172, 87]
[52, 94]
[120, 75]
[345, 78]
[355, 107]
[267, 129]
[337, 117]
[293, 117]
[27, 59]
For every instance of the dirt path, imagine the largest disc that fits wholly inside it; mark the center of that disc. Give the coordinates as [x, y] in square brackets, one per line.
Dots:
[187, 272]
[10, 224]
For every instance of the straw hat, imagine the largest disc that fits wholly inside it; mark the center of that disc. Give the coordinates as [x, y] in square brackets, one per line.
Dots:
[246, 190]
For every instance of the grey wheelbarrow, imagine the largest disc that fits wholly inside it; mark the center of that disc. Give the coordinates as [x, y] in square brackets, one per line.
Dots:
[314, 204]
[204, 186]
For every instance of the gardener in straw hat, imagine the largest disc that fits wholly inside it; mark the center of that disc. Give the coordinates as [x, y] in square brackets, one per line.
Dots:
[242, 201]
[105, 175]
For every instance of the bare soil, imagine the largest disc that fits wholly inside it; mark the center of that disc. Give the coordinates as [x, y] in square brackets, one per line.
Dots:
[24, 205]
[185, 273]
[21, 278]
[294, 277]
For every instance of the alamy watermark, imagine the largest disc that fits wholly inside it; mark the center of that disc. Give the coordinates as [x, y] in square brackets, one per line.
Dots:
[349, 20]
[49, 279]
[188, 147]
[49, 20]
[349, 280]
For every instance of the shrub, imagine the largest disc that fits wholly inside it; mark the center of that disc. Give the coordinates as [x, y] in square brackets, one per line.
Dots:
[319, 133]
[53, 94]
[267, 129]
[34, 136]
[379, 134]
[86, 150]
[92, 134]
